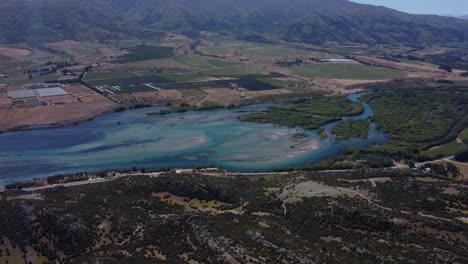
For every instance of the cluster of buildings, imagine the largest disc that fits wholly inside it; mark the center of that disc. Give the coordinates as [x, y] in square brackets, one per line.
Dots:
[37, 90]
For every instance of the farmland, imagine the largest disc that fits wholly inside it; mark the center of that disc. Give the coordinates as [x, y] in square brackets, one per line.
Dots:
[80, 104]
[464, 135]
[445, 150]
[347, 71]
[143, 52]
[235, 71]
[93, 76]
[194, 86]
[246, 72]
[194, 61]
[126, 82]
[250, 84]
[271, 51]
[228, 46]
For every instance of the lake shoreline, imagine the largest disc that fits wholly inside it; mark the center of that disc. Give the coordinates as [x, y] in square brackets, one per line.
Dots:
[125, 139]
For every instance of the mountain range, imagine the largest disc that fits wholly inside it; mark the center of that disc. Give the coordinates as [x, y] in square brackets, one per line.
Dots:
[310, 21]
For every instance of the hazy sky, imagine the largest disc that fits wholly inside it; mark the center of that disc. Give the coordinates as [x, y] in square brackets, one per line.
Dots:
[440, 7]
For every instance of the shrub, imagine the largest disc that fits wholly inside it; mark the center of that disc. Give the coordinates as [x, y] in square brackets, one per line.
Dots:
[462, 156]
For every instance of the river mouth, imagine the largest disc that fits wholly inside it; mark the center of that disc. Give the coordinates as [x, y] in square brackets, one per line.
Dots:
[132, 138]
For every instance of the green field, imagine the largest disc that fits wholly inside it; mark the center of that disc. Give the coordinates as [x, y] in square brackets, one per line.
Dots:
[346, 71]
[216, 50]
[351, 129]
[185, 77]
[348, 49]
[91, 76]
[307, 113]
[221, 63]
[464, 135]
[272, 51]
[194, 61]
[23, 79]
[238, 70]
[445, 150]
[254, 49]
[192, 92]
[142, 53]
[158, 64]
[417, 62]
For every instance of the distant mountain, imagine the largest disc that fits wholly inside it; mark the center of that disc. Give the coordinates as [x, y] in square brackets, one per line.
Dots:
[311, 21]
[463, 17]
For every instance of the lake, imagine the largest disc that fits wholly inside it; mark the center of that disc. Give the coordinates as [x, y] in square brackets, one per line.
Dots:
[132, 138]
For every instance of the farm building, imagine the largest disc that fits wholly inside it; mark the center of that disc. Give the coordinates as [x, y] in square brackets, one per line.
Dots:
[41, 92]
[20, 94]
[44, 86]
[46, 92]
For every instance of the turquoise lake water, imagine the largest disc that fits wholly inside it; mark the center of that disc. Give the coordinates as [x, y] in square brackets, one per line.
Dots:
[132, 138]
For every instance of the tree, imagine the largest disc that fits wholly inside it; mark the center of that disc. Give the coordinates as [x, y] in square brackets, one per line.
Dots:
[439, 169]
[453, 170]
[462, 156]
[445, 68]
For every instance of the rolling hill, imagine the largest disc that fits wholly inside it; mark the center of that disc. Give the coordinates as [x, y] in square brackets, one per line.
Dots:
[311, 21]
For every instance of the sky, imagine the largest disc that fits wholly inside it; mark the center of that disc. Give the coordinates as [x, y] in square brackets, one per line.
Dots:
[438, 7]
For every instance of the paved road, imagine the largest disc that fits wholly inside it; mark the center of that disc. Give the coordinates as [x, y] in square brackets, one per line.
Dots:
[91, 181]
[436, 161]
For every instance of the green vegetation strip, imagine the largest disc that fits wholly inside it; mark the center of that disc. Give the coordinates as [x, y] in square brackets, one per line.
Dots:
[464, 136]
[184, 108]
[445, 150]
[351, 129]
[142, 53]
[307, 113]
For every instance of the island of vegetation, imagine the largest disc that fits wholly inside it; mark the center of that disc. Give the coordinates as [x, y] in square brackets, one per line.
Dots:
[351, 129]
[300, 135]
[307, 113]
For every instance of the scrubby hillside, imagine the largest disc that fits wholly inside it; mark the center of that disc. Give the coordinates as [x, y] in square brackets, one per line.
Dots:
[303, 217]
[310, 21]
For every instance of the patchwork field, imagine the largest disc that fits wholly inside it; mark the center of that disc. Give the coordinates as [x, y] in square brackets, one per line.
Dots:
[189, 83]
